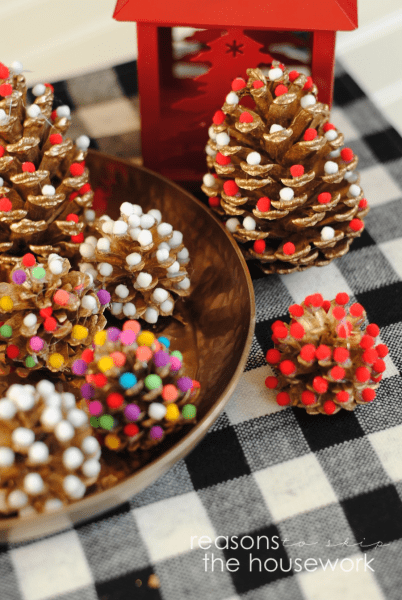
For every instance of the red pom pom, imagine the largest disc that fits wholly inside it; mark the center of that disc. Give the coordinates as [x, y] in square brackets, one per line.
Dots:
[356, 310]
[131, 430]
[259, 246]
[77, 169]
[316, 300]
[341, 354]
[309, 84]
[297, 170]
[326, 305]
[53, 115]
[73, 196]
[281, 332]
[283, 399]
[4, 72]
[342, 396]
[264, 204]
[28, 167]
[221, 159]
[115, 400]
[329, 407]
[368, 394]
[28, 260]
[238, 84]
[339, 313]
[289, 248]
[320, 384]
[308, 397]
[297, 331]
[50, 324]
[307, 352]
[87, 355]
[46, 312]
[296, 310]
[12, 351]
[245, 117]
[376, 379]
[85, 188]
[382, 350]
[324, 197]
[214, 201]
[310, 134]
[271, 382]
[356, 224]
[5, 205]
[2, 150]
[373, 330]
[366, 342]
[347, 154]
[218, 117]
[293, 75]
[342, 298]
[77, 239]
[72, 217]
[275, 324]
[55, 138]
[370, 356]
[49, 85]
[273, 356]
[6, 90]
[257, 85]
[323, 352]
[280, 90]
[337, 373]
[362, 374]
[328, 126]
[342, 331]
[230, 187]
[100, 380]
[363, 204]
[379, 366]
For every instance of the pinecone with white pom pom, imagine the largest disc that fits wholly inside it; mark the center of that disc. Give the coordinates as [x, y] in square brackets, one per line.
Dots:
[283, 184]
[140, 260]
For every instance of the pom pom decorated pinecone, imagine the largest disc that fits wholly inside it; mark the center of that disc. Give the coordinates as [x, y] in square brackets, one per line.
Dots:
[48, 455]
[136, 390]
[324, 360]
[44, 187]
[140, 261]
[49, 313]
[283, 184]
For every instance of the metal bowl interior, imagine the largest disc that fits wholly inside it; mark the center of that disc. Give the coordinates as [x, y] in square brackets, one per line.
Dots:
[221, 315]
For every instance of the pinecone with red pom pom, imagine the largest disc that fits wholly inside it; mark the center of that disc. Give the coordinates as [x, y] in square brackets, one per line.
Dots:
[283, 183]
[44, 189]
[324, 360]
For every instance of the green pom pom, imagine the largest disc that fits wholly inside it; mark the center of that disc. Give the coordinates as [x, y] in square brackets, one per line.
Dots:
[177, 354]
[6, 331]
[38, 272]
[30, 362]
[94, 421]
[153, 382]
[106, 421]
[189, 411]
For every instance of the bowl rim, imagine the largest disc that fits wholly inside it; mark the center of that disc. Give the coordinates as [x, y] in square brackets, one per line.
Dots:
[179, 450]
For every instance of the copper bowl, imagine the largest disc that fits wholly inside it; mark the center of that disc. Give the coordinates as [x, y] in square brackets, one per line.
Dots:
[221, 311]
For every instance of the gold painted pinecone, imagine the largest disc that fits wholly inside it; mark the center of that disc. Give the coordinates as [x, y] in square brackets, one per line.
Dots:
[284, 187]
[324, 360]
[140, 261]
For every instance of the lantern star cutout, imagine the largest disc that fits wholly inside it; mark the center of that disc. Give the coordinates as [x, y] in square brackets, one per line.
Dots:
[234, 48]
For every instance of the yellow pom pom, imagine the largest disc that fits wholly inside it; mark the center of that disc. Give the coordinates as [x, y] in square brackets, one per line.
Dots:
[172, 413]
[105, 363]
[79, 332]
[112, 441]
[56, 360]
[6, 304]
[100, 338]
[145, 338]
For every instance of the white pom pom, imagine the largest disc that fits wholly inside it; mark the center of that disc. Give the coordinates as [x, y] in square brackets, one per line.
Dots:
[1, 182]
[103, 245]
[7, 409]
[17, 67]
[38, 453]
[354, 190]
[107, 227]
[211, 132]
[89, 302]
[167, 306]
[91, 468]
[22, 437]
[254, 158]
[335, 153]
[120, 228]
[151, 315]
[222, 139]
[184, 284]
[116, 308]
[147, 221]
[249, 223]
[30, 320]
[17, 499]
[50, 417]
[308, 100]
[162, 255]
[232, 98]
[6, 457]
[351, 176]
[105, 269]
[286, 194]
[90, 445]
[129, 309]
[56, 266]
[105, 218]
[156, 214]
[68, 400]
[331, 167]
[327, 234]
[209, 180]
[48, 190]
[164, 246]
[92, 240]
[72, 458]
[210, 151]
[127, 209]
[25, 401]
[275, 128]
[33, 484]
[133, 259]
[53, 400]
[63, 111]
[174, 268]
[52, 504]
[82, 142]
[164, 229]
[275, 73]
[156, 410]
[145, 238]
[3, 117]
[232, 224]
[87, 250]
[89, 271]
[45, 388]
[77, 418]
[33, 111]
[137, 209]
[73, 487]
[143, 280]
[64, 431]
[134, 233]
[176, 239]
[183, 256]
[39, 89]
[160, 295]
[331, 134]
[14, 391]
[122, 291]
[134, 221]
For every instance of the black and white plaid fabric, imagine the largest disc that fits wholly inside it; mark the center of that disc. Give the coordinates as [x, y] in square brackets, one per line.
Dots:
[328, 488]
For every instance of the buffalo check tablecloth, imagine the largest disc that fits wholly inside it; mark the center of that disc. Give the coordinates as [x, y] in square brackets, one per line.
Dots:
[326, 488]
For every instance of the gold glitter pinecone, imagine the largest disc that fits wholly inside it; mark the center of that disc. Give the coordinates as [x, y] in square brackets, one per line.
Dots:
[140, 261]
[284, 187]
[324, 359]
